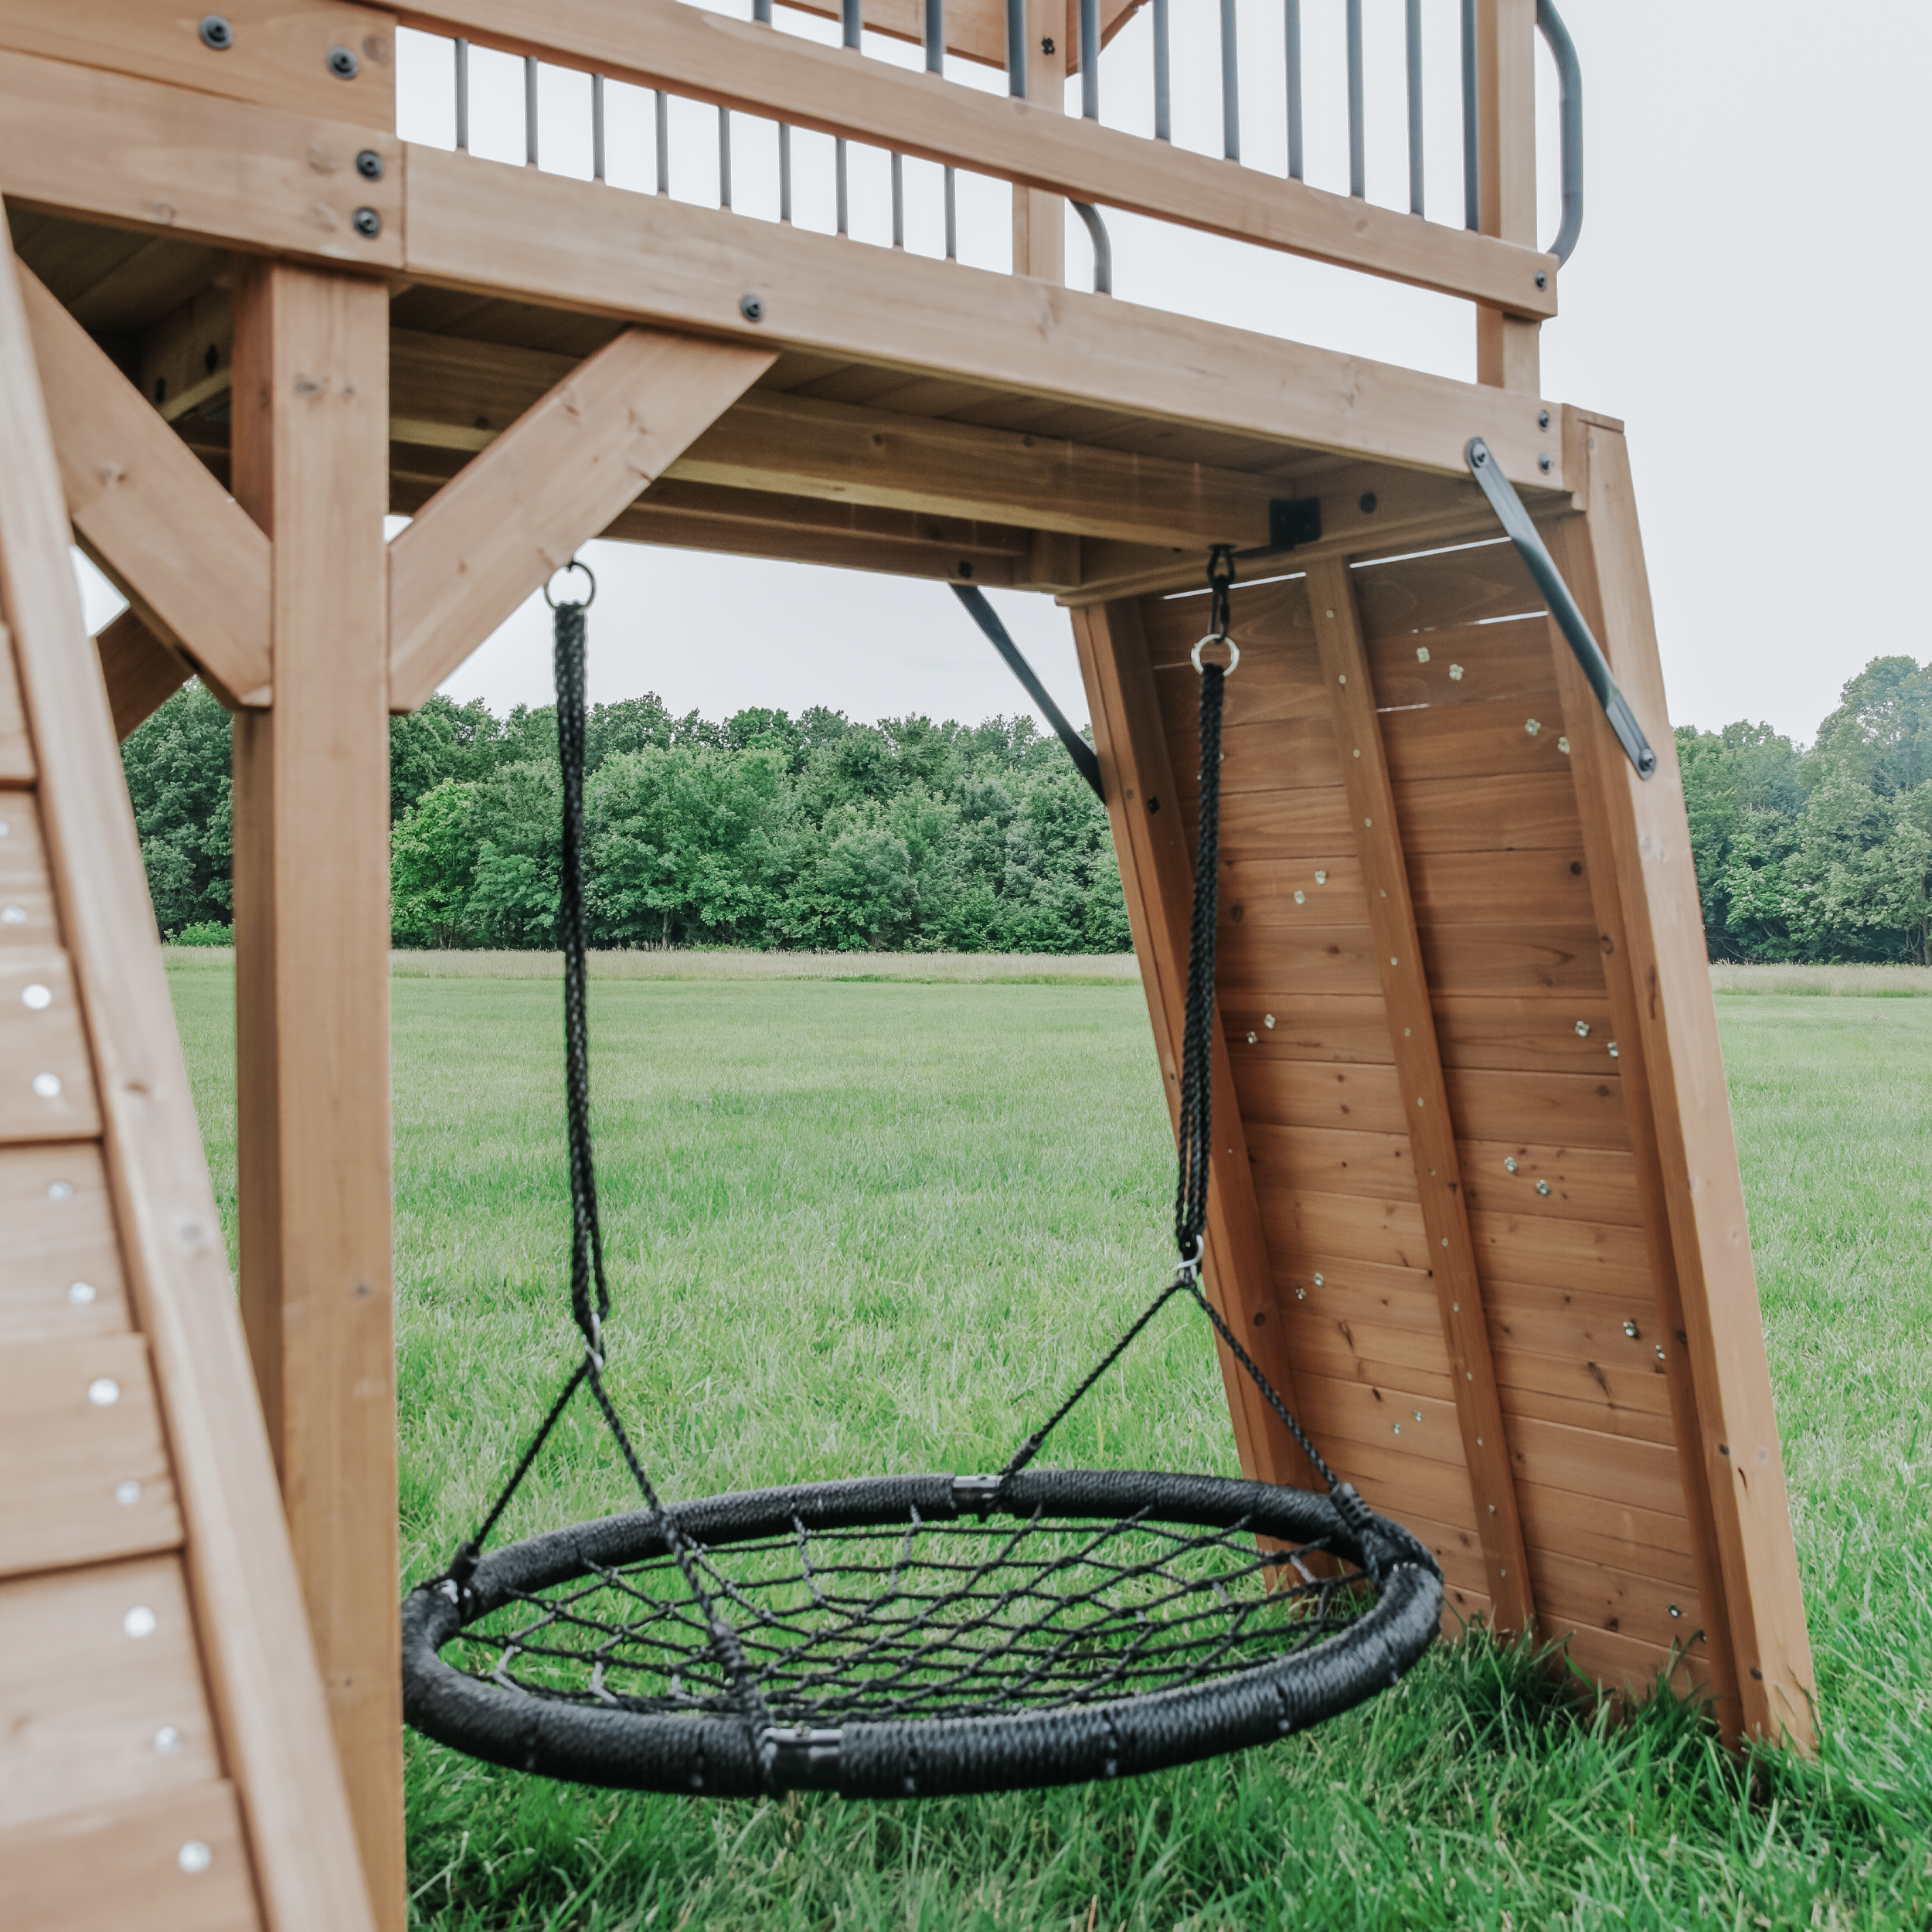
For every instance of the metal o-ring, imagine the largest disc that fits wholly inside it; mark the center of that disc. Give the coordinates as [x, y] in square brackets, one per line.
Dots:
[1218, 637]
[573, 565]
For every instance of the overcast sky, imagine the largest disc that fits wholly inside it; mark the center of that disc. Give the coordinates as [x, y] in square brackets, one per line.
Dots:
[1748, 295]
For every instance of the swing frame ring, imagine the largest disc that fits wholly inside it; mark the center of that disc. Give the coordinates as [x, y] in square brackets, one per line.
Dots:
[564, 570]
[1218, 637]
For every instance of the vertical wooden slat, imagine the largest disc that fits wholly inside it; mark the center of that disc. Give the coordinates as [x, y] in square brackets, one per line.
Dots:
[141, 672]
[1157, 872]
[1418, 1059]
[1039, 220]
[1506, 345]
[311, 905]
[252, 1637]
[1671, 1038]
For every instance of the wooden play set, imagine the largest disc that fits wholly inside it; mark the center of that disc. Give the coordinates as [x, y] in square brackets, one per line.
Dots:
[1476, 1208]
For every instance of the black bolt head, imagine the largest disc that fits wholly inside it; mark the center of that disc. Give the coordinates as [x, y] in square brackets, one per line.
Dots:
[1542, 281]
[1046, 46]
[369, 165]
[1369, 500]
[217, 32]
[343, 64]
[1543, 418]
[368, 224]
[752, 308]
[1543, 463]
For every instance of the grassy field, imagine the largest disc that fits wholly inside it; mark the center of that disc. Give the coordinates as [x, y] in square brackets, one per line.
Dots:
[877, 1225]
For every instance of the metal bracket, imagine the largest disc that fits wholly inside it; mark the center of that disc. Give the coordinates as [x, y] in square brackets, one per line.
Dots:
[799, 1759]
[976, 1492]
[987, 619]
[1293, 521]
[1542, 565]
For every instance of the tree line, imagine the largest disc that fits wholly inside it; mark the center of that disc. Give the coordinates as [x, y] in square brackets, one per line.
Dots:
[765, 830]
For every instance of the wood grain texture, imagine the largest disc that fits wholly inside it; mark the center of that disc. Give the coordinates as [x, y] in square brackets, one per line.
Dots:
[60, 1273]
[1738, 1461]
[105, 1867]
[195, 568]
[1506, 345]
[311, 920]
[87, 1473]
[250, 1630]
[27, 916]
[141, 673]
[46, 1082]
[16, 749]
[517, 512]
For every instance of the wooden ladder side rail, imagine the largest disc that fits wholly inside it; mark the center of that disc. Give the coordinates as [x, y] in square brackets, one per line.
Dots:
[267, 1692]
[1157, 872]
[517, 512]
[175, 542]
[1418, 1062]
[311, 826]
[1642, 826]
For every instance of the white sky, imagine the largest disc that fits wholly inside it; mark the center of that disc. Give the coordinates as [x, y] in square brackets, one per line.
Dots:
[1748, 294]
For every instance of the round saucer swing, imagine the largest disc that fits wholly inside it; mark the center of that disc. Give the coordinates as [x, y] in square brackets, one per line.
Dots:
[912, 1636]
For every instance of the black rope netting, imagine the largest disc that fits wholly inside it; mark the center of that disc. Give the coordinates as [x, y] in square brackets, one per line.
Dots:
[900, 1636]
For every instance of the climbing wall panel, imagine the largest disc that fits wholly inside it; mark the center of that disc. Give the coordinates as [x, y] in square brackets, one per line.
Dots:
[165, 1758]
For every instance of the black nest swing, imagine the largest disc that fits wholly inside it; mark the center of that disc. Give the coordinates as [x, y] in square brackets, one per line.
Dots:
[911, 1636]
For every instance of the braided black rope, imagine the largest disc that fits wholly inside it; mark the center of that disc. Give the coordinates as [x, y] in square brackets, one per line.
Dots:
[1126, 1621]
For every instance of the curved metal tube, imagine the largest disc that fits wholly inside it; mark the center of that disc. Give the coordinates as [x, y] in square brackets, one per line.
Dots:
[1103, 247]
[1569, 74]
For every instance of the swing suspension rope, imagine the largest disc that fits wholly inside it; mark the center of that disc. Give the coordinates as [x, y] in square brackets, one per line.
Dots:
[906, 1636]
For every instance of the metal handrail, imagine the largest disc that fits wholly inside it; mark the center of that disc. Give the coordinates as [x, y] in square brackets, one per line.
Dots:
[1570, 76]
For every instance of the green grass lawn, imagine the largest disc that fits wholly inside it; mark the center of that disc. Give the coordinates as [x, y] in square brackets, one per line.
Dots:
[868, 1226]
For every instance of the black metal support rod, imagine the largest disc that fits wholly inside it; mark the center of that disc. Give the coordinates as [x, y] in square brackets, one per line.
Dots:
[664, 141]
[1515, 520]
[899, 200]
[1103, 247]
[851, 20]
[987, 619]
[1291, 32]
[1414, 26]
[1471, 125]
[1163, 74]
[1016, 48]
[952, 216]
[724, 158]
[1570, 76]
[935, 35]
[1090, 59]
[462, 97]
[840, 184]
[784, 174]
[529, 110]
[1230, 84]
[596, 126]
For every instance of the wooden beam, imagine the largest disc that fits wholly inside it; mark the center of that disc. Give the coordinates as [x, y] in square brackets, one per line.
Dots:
[1418, 1062]
[1735, 1449]
[193, 566]
[705, 56]
[1039, 217]
[1150, 836]
[976, 29]
[517, 232]
[1506, 343]
[141, 672]
[311, 957]
[252, 1636]
[517, 513]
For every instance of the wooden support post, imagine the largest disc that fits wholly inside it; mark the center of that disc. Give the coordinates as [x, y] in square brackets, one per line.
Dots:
[312, 927]
[141, 673]
[1039, 220]
[1507, 346]
[1150, 835]
[1673, 1077]
[1418, 1061]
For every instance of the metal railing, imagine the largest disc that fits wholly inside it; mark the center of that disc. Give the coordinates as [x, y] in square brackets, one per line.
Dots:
[851, 17]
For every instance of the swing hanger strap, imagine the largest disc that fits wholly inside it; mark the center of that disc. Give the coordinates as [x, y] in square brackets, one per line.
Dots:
[564, 570]
[1220, 577]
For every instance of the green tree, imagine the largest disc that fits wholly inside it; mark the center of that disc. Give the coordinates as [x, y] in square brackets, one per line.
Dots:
[514, 898]
[178, 765]
[432, 856]
[1732, 778]
[1880, 736]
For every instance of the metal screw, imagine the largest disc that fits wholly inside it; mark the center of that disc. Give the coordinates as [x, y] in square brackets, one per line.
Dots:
[167, 1740]
[1418, 1415]
[1398, 1428]
[1455, 674]
[1367, 502]
[1630, 1328]
[1660, 1351]
[1542, 278]
[1421, 653]
[1509, 1162]
[1562, 745]
[752, 308]
[1267, 1019]
[1321, 878]
[1543, 1187]
[60, 1190]
[1252, 1037]
[141, 1621]
[1317, 1281]
[13, 915]
[1300, 897]
[35, 997]
[103, 1392]
[369, 165]
[1674, 1611]
[1543, 462]
[1543, 418]
[367, 223]
[127, 1494]
[194, 1857]
[343, 64]
[1612, 1050]
[80, 1294]
[1532, 725]
[1301, 1294]
[1583, 1029]
[47, 1086]
[216, 33]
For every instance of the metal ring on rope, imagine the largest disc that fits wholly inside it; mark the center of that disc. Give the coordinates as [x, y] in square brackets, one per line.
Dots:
[1218, 637]
[564, 570]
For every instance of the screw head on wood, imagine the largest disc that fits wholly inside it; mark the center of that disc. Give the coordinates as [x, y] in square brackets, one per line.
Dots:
[752, 308]
[167, 1740]
[60, 1190]
[1542, 278]
[47, 1086]
[1369, 501]
[1630, 1328]
[103, 1392]
[369, 165]
[36, 998]
[80, 1294]
[1455, 674]
[1543, 462]
[13, 915]
[141, 1621]
[1509, 1163]
[1543, 1187]
[367, 223]
[127, 1494]
[343, 64]
[216, 33]
[194, 1858]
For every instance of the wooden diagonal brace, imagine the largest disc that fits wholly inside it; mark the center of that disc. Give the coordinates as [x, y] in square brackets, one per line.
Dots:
[183, 552]
[497, 530]
[141, 673]
[1418, 1059]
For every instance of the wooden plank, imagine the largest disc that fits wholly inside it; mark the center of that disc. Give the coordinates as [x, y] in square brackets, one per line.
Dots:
[87, 1473]
[1536, 1318]
[311, 921]
[194, 567]
[1506, 347]
[60, 1274]
[1040, 219]
[1348, 1030]
[141, 672]
[1501, 888]
[1444, 590]
[47, 1084]
[137, 154]
[1584, 1183]
[652, 43]
[1631, 1668]
[1472, 741]
[105, 1867]
[517, 232]
[95, 1664]
[1521, 811]
[1529, 1036]
[26, 895]
[1593, 1256]
[16, 749]
[278, 56]
[1333, 1161]
[1585, 1108]
[1586, 1462]
[1587, 1395]
[1447, 1236]
[1734, 1458]
[1157, 874]
[1503, 660]
[1298, 1093]
[976, 29]
[519, 512]
[1618, 1534]
[252, 1634]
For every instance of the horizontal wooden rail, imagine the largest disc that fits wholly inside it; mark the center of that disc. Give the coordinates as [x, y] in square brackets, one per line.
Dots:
[685, 50]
